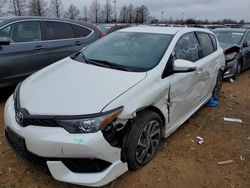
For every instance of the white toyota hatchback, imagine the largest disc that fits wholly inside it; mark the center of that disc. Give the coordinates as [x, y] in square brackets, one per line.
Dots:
[89, 118]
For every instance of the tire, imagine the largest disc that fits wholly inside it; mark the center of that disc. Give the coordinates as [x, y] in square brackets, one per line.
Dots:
[143, 139]
[237, 73]
[218, 86]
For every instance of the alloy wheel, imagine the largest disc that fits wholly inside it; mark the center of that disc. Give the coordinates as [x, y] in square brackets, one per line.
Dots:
[148, 142]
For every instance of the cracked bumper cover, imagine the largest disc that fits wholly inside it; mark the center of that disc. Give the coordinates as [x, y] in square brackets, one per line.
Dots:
[231, 68]
[56, 143]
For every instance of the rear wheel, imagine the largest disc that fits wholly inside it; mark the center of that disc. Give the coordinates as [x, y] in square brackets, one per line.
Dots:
[218, 86]
[143, 139]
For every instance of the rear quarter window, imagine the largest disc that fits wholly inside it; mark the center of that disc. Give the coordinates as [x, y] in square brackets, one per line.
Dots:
[59, 30]
[205, 43]
[81, 31]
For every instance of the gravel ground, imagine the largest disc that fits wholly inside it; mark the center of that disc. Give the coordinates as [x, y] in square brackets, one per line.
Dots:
[180, 162]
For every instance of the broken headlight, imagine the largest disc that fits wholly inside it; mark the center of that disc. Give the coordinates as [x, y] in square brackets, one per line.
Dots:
[230, 56]
[89, 124]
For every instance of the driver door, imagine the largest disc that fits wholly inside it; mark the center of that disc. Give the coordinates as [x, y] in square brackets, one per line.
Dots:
[185, 92]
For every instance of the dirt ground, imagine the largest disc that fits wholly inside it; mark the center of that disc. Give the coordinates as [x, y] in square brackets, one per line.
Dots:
[180, 162]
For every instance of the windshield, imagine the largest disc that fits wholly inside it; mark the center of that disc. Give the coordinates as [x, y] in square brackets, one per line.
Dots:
[131, 50]
[230, 37]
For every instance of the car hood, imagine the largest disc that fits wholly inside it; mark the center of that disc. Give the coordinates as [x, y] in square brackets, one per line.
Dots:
[73, 88]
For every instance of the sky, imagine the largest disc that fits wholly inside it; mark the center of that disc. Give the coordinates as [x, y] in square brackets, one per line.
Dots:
[199, 9]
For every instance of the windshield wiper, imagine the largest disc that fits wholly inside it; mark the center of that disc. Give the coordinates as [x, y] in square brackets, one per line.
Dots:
[100, 63]
[109, 64]
[85, 59]
[76, 55]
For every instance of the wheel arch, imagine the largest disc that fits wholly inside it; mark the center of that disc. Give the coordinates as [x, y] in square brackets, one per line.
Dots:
[156, 110]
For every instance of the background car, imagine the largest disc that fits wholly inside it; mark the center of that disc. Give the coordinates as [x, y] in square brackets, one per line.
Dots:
[236, 45]
[109, 28]
[28, 44]
[121, 95]
[214, 26]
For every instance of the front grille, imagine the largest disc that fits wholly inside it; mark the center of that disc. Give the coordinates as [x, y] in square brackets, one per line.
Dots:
[77, 165]
[40, 122]
[86, 165]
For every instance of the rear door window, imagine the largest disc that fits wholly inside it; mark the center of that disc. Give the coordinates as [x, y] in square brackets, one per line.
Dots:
[28, 31]
[206, 44]
[81, 31]
[187, 48]
[59, 30]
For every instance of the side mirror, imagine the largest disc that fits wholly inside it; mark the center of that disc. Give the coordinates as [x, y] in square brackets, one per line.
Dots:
[246, 44]
[4, 41]
[181, 65]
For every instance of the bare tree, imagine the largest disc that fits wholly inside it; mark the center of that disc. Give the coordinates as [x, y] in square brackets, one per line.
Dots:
[124, 14]
[95, 11]
[72, 13]
[2, 4]
[56, 8]
[107, 11]
[85, 13]
[142, 14]
[130, 13]
[37, 8]
[18, 7]
[145, 15]
[135, 15]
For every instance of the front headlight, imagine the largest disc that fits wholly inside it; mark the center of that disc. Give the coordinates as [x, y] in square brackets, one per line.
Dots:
[89, 124]
[230, 56]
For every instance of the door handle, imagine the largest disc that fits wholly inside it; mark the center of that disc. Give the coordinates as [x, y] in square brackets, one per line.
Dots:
[78, 43]
[39, 48]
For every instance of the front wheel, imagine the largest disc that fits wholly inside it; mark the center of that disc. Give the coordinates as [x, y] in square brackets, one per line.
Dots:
[143, 139]
[218, 86]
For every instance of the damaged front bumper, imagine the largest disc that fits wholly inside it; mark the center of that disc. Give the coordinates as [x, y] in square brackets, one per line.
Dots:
[83, 159]
[231, 69]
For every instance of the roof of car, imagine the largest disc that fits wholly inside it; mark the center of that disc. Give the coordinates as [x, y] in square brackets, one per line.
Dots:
[16, 18]
[163, 30]
[231, 29]
[6, 20]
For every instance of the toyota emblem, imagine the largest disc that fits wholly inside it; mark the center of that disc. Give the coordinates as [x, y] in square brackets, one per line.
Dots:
[19, 117]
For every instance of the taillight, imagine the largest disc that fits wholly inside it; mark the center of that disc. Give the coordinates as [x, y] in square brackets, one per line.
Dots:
[102, 35]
